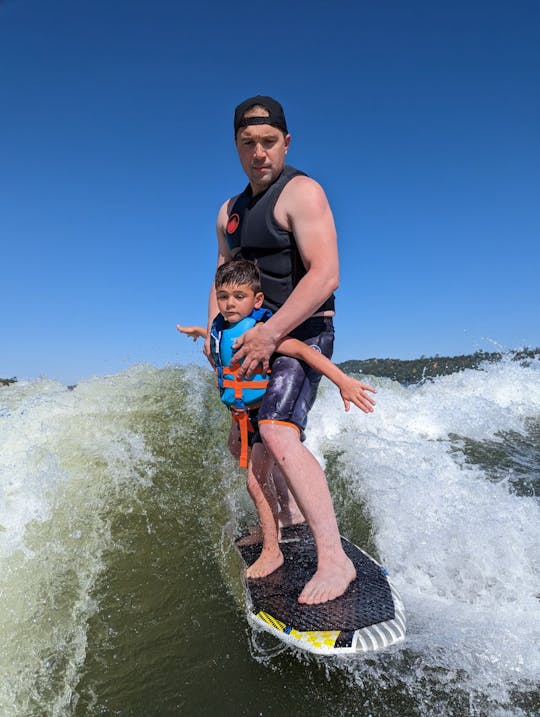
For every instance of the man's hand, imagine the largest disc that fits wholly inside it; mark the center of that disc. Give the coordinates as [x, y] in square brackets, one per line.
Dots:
[254, 349]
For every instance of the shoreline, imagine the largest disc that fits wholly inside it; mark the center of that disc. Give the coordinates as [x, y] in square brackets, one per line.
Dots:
[412, 370]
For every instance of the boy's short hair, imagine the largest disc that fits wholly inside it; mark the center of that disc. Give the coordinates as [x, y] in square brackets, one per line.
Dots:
[237, 273]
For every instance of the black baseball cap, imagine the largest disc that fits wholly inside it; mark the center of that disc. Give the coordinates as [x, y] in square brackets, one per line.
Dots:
[276, 116]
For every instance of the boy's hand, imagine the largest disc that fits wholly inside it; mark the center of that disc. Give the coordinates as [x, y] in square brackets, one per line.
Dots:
[353, 391]
[193, 331]
[197, 332]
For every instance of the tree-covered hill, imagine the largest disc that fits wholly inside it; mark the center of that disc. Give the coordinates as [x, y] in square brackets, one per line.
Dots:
[414, 370]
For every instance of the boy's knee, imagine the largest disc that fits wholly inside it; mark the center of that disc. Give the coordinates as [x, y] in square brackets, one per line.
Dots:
[234, 448]
[234, 442]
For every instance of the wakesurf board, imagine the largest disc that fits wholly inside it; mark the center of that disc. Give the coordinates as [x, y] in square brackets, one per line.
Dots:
[368, 616]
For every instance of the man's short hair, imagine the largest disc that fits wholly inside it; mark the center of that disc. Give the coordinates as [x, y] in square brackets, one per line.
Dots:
[238, 272]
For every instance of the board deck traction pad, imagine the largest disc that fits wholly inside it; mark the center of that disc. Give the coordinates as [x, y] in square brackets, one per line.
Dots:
[368, 616]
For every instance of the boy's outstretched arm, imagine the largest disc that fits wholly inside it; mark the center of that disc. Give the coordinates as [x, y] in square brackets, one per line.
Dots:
[351, 390]
[196, 332]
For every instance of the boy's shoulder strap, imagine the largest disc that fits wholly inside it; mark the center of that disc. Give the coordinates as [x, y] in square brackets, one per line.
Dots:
[261, 314]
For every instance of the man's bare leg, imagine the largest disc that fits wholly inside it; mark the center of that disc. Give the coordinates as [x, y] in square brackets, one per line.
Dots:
[307, 481]
[261, 490]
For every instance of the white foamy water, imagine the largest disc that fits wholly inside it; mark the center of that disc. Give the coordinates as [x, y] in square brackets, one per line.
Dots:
[463, 550]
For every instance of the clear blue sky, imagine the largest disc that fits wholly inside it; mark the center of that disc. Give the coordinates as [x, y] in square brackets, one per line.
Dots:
[421, 119]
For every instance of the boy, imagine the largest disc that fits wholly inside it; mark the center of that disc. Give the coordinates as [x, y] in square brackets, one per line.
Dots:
[239, 298]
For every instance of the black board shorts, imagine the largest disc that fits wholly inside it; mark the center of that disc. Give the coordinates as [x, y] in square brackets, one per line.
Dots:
[293, 385]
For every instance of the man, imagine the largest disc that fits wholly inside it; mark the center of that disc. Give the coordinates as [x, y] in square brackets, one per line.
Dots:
[283, 222]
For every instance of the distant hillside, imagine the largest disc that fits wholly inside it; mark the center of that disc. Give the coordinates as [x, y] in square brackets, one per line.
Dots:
[428, 367]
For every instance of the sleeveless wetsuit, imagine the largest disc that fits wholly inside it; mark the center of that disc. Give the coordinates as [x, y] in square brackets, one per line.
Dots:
[254, 234]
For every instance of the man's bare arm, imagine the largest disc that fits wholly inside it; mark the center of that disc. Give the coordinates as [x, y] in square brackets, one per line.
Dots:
[305, 211]
[223, 255]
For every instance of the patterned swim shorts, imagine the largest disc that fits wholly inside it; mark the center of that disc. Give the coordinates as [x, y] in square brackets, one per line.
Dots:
[293, 385]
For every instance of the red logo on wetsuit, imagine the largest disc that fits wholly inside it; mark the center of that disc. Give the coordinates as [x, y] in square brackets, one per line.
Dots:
[232, 224]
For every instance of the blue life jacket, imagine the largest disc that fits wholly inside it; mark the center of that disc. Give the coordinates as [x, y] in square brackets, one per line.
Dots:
[235, 393]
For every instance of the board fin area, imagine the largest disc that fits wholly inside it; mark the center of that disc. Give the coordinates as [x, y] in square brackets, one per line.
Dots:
[368, 616]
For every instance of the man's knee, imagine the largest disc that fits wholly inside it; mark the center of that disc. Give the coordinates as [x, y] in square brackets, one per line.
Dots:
[278, 435]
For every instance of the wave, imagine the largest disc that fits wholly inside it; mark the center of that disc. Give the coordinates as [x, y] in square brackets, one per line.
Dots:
[113, 497]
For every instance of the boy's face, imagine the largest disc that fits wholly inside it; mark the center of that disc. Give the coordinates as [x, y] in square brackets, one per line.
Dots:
[237, 301]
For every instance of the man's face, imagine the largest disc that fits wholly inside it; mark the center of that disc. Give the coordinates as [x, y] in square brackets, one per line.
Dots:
[262, 149]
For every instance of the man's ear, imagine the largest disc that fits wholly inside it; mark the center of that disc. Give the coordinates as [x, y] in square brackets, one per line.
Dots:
[287, 142]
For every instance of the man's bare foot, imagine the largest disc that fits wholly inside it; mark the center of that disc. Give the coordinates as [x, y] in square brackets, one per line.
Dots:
[328, 583]
[266, 563]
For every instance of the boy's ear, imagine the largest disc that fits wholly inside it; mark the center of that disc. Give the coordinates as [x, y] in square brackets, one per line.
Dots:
[259, 298]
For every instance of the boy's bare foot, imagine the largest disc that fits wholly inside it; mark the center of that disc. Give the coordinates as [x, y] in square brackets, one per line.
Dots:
[253, 537]
[285, 521]
[268, 561]
[286, 518]
[328, 583]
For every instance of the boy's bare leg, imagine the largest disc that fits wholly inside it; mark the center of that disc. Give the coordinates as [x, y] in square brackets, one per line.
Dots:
[307, 481]
[254, 536]
[261, 490]
[289, 513]
[233, 442]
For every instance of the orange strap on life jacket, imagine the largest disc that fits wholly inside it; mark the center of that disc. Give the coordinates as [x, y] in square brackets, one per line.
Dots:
[238, 411]
[228, 378]
[244, 425]
[239, 384]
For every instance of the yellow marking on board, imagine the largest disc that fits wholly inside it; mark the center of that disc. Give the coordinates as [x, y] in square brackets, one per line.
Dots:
[316, 638]
[272, 621]
[320, 638]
